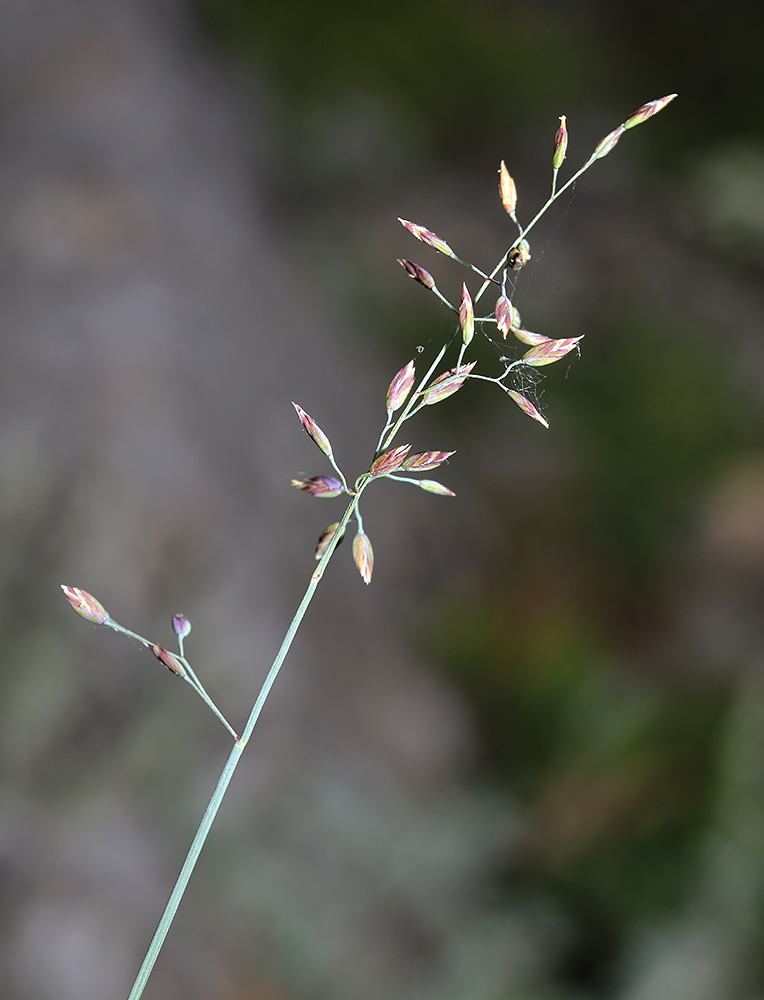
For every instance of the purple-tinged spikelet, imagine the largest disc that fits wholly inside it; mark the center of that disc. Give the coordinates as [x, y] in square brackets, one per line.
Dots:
[433, 487]
[604, 146]
[526, 337]
[466, 317]
[313, 430]
[551, 350]
[363, 555]
[181, 626]
[171, 661]
[507, 317]
[560, 144]
[447, 384]
[400, 387]
[507, 190]
[428, 237]
[326, 537]
[527, 406]
[418, 273]
[86, 605]
[648, 110]
[320, 486]
[390, 460]
[425, 460]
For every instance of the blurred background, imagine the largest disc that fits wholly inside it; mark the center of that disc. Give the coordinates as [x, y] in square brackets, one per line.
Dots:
[527, 762]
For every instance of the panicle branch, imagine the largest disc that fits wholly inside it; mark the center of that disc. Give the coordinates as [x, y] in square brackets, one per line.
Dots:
[402, 402]
[92, 609]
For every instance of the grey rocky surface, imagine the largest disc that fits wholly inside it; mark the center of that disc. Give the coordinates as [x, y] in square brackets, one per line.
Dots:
[152, 338]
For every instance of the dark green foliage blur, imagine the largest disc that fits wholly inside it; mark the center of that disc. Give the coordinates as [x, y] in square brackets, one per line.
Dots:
[616, 770]
[460, 74]
[450, 70]
[594, 709]
[658, 419]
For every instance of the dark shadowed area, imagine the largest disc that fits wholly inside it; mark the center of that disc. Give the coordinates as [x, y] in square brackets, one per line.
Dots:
[527, 762]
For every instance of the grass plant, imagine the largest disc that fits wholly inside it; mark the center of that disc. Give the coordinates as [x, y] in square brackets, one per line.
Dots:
[409, 392]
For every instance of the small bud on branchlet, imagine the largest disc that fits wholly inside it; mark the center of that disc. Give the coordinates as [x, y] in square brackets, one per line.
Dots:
[427, 237]
[433, 487]
[418, 273]
[526, 337]
[313, 430]
[527, 406]
[320, 486]
[363, 555]
[86, 605]
[519, 256]
[390, 460]
[551, 350]
[400, 387]
[604, 146]
[466, 317]
[425, 460]
[171, 661]
[181, 626]
[647, 111]
[560, 144]
[326, 537]
[507, 190]
[447, 384]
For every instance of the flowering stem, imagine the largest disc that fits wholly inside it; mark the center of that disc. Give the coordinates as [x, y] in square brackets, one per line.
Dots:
[233, 759]
[91, 609]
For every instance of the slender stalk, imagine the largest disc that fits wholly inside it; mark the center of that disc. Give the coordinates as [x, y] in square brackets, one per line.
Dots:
[195, 683]
[185, 873]
[230, 766]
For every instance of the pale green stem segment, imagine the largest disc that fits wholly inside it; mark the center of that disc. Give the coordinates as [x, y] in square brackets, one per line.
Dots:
[238, 749]
[359, 519]
[339, 472]
[445, 301]
[197, 685]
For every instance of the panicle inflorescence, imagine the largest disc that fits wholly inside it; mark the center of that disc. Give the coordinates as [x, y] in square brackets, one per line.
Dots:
[392, 461]
[407, 394]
